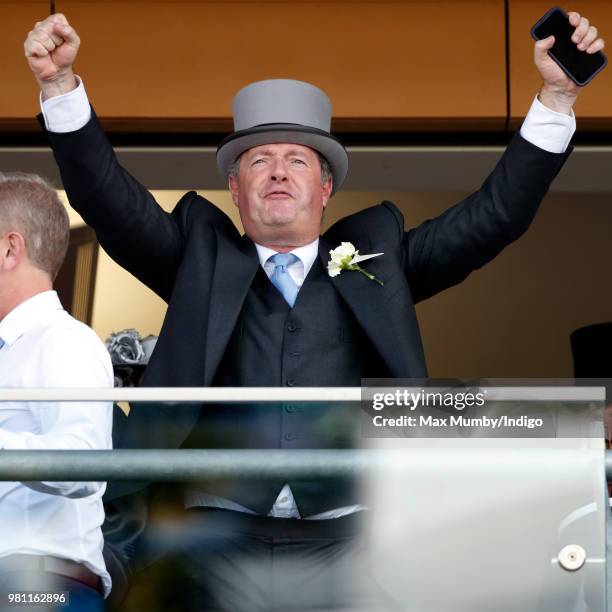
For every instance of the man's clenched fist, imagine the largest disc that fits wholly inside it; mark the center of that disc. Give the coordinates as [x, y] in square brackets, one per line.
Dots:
[51, 48]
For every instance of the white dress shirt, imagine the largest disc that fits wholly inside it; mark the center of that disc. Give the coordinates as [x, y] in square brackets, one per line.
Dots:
[298, 270]
[45, 347]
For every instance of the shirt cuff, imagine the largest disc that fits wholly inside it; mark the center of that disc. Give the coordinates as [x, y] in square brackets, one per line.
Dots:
[68, 112]
[548, 129]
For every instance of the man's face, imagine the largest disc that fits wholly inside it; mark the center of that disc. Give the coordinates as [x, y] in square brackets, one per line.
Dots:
[279, 194]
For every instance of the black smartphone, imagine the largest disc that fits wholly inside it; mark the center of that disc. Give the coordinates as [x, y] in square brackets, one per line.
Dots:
[579, 66]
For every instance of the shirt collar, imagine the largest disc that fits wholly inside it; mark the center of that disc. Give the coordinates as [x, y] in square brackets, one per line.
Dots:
[307, 254]
[22, 317]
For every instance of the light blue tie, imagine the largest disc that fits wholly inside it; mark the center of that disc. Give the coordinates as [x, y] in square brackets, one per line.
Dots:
[281, 278]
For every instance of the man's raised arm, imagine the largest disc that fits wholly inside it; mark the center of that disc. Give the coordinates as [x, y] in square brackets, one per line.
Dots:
[136, 232]
[443, 251]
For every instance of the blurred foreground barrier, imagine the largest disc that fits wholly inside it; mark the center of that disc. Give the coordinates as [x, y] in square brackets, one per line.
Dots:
[194, 464]
[502, 519]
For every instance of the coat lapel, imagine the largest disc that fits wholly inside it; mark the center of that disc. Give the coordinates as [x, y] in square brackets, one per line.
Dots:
[369, 303]
[235, 268]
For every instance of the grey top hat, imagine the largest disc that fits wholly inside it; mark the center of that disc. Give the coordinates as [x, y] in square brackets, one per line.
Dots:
[283, 110]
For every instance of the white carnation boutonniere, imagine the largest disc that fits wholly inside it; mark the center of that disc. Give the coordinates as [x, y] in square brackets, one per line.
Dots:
[347, 257]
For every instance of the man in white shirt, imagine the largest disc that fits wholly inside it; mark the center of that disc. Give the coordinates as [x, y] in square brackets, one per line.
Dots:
[51, 531]
[262, 309]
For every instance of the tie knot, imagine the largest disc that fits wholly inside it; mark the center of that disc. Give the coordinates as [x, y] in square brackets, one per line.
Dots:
[283, 260]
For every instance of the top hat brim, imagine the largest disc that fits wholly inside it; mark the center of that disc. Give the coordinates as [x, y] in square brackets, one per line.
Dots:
[323, 142]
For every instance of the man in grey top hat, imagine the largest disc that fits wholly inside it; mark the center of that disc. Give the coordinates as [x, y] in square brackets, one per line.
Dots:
[272, 309]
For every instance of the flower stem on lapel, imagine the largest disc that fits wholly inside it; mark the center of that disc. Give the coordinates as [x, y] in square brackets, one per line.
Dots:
[346, 257]
[364, 272]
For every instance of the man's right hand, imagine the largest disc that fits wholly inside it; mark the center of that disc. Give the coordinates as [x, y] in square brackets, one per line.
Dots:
[51, 48]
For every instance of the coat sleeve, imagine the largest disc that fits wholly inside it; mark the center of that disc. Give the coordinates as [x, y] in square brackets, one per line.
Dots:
[130, 225]
[441, 252]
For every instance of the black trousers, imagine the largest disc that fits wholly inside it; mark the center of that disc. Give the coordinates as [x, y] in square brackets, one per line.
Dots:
[220, 560]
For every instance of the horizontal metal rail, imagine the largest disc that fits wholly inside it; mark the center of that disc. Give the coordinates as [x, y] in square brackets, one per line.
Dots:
[185, 394]
[280, 394]
[186, 465]
[194, 464]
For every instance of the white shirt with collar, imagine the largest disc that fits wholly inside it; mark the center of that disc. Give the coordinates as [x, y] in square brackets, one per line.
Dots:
[299, 269]
[45, 347]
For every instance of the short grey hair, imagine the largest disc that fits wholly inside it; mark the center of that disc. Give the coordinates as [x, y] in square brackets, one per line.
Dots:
[326, 172]
[29, 204]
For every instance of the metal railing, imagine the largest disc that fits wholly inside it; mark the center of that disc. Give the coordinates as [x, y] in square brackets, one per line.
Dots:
[193, 464]
[278, 394]
[165, 465]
